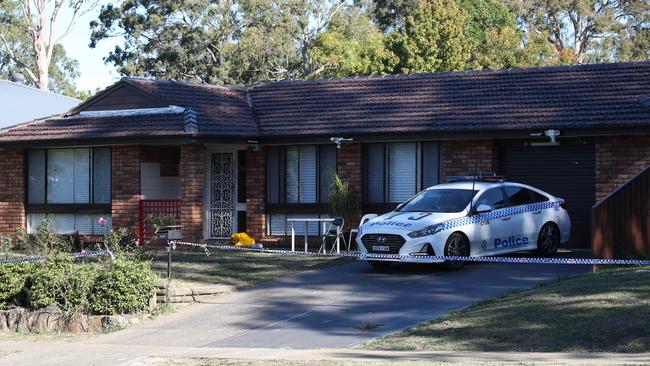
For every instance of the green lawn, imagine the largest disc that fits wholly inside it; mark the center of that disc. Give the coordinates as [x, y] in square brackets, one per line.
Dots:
[237, 269]
[608, 311]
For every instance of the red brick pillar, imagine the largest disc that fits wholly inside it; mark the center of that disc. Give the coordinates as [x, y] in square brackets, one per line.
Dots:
[464, 157]
[256, 194]
[192, 174]
[125, 183]
[12, 193]
[349, 166]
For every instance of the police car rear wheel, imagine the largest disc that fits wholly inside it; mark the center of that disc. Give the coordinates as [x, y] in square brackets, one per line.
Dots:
[457, 245]
[549, 240]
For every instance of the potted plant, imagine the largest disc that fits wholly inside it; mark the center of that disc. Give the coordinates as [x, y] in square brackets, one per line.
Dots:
[342, 203]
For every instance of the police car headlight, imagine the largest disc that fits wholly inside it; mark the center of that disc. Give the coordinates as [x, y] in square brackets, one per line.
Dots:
[429, 230]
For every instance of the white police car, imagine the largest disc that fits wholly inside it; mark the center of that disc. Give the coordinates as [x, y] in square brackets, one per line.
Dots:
[467, 218]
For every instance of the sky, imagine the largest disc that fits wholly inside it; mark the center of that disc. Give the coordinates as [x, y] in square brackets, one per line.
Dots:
[94, 73]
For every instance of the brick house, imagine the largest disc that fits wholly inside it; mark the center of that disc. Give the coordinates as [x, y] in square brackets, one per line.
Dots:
[227, 159]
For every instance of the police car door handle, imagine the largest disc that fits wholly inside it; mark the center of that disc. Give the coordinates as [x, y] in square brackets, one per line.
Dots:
[506, 218]
[537, 212]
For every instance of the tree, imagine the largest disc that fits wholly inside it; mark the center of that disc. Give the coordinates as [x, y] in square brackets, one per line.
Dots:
[588, 30]
[432, 39]
[244, 41]
[390, 14]
[17, 54]
[352, 45]
[40, 20]
[184, 40]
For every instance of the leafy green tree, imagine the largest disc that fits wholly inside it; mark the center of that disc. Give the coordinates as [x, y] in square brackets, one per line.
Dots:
[390, 14]
[432, 39]
[18, 55]
[588, 30]
[170, 39]
[351, 45]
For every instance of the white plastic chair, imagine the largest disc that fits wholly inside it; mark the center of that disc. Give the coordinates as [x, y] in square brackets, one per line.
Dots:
[365, 218]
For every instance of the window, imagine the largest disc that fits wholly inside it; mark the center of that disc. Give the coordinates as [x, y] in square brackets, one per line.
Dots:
[69, 176]
[59, 178]
[518, 196]
[439, 200]
[300, 174]
[493, 198]
[396, 171]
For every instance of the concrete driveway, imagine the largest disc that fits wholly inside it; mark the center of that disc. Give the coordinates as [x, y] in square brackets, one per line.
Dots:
[337, 307]
[333, 308]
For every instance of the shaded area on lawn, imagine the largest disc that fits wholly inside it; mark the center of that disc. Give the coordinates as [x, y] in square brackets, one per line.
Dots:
[608, 311]
[237, 269]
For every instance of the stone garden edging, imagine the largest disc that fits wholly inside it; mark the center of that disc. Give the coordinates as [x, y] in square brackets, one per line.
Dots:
[51, 320]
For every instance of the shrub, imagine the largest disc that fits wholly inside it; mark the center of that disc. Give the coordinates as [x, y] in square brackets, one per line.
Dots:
[60, 281]
[6, 244]
[124, 287]
[45, 241]
[12, 281]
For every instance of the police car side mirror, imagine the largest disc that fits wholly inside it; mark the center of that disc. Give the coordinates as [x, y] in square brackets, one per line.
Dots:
[483, 208]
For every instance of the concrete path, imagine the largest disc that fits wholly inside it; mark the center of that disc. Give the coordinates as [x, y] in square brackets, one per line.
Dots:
[63, 353]
[337, 307]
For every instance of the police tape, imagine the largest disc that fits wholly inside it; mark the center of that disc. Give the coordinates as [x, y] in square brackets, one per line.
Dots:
[423, 258]
[95, 253]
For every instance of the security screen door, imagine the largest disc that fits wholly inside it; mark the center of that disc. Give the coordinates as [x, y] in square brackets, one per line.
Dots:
[222, 194]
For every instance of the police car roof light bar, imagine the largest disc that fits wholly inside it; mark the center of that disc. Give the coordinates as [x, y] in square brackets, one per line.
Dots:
[479, 176]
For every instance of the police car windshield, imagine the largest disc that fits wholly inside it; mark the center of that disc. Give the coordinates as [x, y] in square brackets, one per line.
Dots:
[439, 200]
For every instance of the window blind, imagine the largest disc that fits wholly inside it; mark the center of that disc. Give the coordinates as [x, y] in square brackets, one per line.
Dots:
[402, 173]
[102, 175]
[375, 173]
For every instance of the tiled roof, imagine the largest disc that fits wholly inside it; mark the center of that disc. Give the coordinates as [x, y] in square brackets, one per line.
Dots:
[90, 127]
[220, 110]
[567, 97]
[605, 95]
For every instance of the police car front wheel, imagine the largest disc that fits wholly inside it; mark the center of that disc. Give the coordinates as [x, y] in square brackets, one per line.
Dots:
[458, 246]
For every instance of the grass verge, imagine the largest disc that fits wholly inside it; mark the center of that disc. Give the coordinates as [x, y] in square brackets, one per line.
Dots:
[237, 269]
[607, 311]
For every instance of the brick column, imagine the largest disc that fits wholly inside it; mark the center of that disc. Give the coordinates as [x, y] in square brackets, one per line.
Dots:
[12, 194]
[461, 157]
[192, 174]
[618, 159]
[256, 194]
[349, 166]
[125, 183]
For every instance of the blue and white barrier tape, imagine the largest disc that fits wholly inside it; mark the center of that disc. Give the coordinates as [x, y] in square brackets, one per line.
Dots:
[95, 253]
[429, 258]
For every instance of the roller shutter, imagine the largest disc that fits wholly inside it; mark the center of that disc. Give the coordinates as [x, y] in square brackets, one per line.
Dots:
[567, 172]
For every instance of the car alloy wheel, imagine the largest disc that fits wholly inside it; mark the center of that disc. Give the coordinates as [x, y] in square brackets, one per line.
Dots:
[457, 246]
[549, 239]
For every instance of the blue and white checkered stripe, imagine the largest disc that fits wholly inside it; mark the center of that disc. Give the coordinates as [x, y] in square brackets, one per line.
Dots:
[429, 258]
[95, 253]
[498, 214]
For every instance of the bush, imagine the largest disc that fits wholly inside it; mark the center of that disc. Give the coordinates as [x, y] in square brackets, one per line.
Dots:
[124, 287]
[60, 281]
[45, 241]
[13, 277]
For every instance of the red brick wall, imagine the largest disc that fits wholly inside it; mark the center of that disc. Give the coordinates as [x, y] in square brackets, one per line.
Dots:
[349, 166]
[12, 193]
[618, 159]
[192, 174]
[256, 194]
[460, 157]
[125, 186]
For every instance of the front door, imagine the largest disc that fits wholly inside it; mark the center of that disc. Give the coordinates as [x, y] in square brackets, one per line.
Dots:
[221, 211]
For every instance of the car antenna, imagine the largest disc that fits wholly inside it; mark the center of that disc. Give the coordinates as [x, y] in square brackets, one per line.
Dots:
[471, 199]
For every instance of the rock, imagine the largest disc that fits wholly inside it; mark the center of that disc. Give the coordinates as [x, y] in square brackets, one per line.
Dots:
[16, 320]
[3, 321]
[94, 324]
[40, 322]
